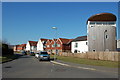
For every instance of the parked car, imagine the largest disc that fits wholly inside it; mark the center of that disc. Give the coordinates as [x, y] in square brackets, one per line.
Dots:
[32, 53]
[37, 55]
[44, 56]
[24, 53]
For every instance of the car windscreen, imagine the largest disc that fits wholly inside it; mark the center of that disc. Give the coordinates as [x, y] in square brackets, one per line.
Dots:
[43, 53]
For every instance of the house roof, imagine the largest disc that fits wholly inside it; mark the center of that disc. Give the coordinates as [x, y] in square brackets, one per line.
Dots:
[17, 45]
[42, 39]
[33, 43]
[65, 41]
[103, 17]
[23, 45]
[50, 40]
[70, 40]
[55, 39]
[81, 38]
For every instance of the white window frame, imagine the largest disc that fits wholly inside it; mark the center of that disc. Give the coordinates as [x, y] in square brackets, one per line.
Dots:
[58, 45]
[48, 45]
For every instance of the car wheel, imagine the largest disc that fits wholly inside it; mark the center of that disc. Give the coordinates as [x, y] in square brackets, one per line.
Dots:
[39, 59]
[48, 59]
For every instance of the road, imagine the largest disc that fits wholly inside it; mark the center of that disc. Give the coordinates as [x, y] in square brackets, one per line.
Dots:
[30, 67]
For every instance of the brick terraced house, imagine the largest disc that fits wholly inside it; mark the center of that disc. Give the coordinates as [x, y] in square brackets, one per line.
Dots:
[63, 45]
[20, 47]
[48, 46]
[58, 45]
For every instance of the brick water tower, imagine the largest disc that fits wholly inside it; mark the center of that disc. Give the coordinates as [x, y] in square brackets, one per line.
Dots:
[101, 32]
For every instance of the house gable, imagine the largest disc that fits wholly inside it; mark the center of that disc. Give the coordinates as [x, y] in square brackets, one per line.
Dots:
[48, 44]
[28, 46]
[59, 41]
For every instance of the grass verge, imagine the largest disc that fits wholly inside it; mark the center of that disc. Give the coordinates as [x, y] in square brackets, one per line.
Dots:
[7, 58]
[89, 61]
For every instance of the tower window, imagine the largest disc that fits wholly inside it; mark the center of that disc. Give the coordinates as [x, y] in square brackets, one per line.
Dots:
[105, 31]
[92, 23]
[104, 23]
[106, 36]
[111, 23]
[94, 50]
[99, 23]
[91, 26]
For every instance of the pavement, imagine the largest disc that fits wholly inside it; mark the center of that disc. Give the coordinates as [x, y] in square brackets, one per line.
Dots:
[87, 67]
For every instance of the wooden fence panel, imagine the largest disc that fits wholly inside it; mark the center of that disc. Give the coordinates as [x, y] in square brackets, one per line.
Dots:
[111, 56]
[105, 57]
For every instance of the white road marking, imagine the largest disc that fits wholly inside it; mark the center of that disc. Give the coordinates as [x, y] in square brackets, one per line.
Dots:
[72, 66]
[93, 69]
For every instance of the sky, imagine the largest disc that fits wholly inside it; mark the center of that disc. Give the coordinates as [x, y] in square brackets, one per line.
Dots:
[23, 21]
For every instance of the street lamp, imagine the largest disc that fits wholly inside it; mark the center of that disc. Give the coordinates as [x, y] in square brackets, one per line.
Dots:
[55, 28]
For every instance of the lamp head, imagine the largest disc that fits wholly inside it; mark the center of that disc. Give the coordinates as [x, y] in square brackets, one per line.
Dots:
[54, 27]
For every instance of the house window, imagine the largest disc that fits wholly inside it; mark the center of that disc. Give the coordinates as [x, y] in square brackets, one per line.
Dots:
[58, 45]
[44, 46]
[48, 45]
[75, 51]
[53, 45]
[76, 45]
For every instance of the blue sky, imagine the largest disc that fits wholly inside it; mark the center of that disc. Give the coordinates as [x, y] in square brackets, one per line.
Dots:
[23, 21]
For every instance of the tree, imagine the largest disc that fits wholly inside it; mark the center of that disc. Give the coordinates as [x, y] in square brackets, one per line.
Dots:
[5, 49]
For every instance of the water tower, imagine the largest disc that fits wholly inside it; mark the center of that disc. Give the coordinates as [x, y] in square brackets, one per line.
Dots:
[101, 32]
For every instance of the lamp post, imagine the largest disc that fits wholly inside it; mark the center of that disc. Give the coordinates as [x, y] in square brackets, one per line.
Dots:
[55, 28]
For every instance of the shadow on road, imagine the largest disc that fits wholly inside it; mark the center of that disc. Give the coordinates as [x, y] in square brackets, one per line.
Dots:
[52, 59]
[24, 56]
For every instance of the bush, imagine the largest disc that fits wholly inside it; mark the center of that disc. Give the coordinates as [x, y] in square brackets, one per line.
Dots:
[52, 53]
[6, 50]
[10, 51]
